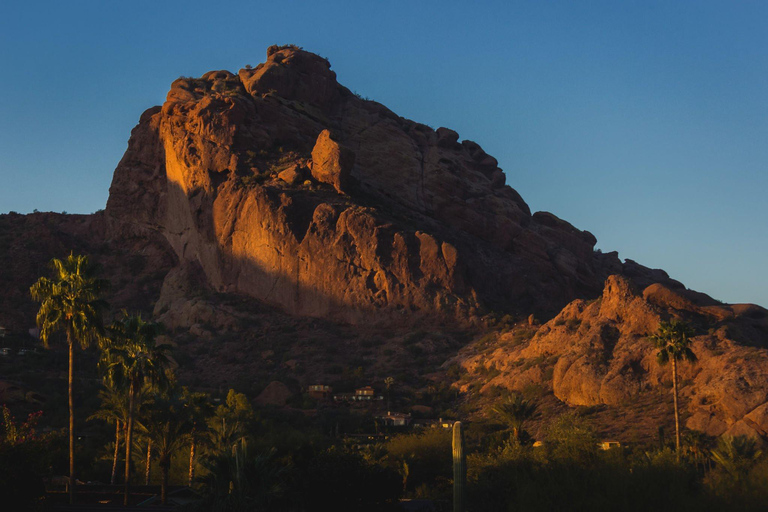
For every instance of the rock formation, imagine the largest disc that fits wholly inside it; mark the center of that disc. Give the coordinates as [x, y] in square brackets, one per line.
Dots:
[395, 218]
[597, 352]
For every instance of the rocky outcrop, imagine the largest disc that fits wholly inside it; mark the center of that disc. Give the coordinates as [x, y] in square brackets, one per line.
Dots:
[331, 162]
[597, 352]
[395, 220]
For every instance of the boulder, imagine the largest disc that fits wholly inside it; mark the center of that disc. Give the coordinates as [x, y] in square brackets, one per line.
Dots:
[331, 162]
[276, 393]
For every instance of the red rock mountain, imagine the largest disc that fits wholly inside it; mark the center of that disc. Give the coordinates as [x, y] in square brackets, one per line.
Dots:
[279, 186]
[283, 185]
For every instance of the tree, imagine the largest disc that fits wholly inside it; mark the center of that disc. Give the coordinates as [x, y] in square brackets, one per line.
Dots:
[167, 426]
[736, 455]
[514, 410]
[673, 339]
[388, 382]
[114, 409]
[134, 358]
[198, 409]
[70, 301]
[229, 423]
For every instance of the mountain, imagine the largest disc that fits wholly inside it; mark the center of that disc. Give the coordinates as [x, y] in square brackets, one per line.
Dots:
[284, 228]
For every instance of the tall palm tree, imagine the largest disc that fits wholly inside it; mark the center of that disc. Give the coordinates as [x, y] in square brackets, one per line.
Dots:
[673, 339]
[70, 301]
[198, 409]
[134, 358]
[514, 411]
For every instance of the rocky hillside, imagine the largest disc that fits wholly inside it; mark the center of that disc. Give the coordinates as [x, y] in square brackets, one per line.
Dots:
[304, 232]
[596, 353]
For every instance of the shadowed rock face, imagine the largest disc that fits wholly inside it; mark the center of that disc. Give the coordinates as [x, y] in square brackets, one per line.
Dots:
[425, 224]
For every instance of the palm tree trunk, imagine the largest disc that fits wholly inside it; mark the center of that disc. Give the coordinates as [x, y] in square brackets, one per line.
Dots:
[149, 461]
[72, 480]
[192, 460]
[114, 457]
[164, 483]
[128, 440]
[677, 410]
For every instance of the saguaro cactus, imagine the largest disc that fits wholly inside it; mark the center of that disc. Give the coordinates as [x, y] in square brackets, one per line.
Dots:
[459, 468]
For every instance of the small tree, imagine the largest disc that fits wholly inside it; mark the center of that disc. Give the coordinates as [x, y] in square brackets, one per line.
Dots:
[673, 339]
[114, 409]
[229, 423]
[514, 411]
[167, 425]
[736, 455]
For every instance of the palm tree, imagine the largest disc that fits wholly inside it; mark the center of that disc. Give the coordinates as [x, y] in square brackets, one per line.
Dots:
[736, 455]
[114, 409]
[242, 479]
[673, 339]
[135, 359]
[388, 382]
[167, 426]
[695, 443]
[198, 409]
[229, 423]
[514, 410]
[70, 301]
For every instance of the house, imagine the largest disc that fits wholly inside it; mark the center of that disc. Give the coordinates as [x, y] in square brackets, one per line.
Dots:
[320, 391]
[365, 393]
[432, 423]
[396, 419]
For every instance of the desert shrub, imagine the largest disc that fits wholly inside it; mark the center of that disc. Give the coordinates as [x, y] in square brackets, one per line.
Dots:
[429, 459]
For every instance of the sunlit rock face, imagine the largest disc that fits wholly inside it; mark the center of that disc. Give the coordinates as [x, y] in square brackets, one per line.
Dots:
[283, 185]
[597, 352]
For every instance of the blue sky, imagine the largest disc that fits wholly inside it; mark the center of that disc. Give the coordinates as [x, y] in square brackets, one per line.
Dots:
[643, 122]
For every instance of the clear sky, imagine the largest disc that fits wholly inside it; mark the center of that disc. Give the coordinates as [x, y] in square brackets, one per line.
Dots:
[644, 122]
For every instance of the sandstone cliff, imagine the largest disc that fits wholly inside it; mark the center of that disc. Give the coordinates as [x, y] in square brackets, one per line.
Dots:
[282, 185]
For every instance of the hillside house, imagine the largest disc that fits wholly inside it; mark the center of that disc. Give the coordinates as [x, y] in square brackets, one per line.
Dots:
[320, 391]
[432, 423]
[396, 419]
[364, 394]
